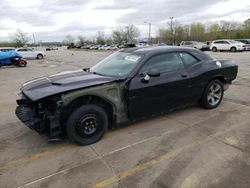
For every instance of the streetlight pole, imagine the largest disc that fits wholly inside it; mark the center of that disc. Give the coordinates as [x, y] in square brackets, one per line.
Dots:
[171, 27]
[34, 40]
[149, 32]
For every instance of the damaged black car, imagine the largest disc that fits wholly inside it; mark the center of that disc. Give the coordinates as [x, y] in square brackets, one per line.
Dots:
[126, 86]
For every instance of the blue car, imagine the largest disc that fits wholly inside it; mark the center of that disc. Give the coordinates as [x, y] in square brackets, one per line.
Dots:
[12, 58]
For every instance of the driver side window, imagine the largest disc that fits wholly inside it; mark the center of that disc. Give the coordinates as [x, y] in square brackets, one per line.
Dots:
[163, 63]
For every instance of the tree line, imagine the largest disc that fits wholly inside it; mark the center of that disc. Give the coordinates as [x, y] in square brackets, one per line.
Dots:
[176, 32]
[121, 35]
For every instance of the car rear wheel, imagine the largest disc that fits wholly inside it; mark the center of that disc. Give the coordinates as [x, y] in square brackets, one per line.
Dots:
[39, 56]
[233, 49]
[87, 124]
[212, 95]
[214, 49]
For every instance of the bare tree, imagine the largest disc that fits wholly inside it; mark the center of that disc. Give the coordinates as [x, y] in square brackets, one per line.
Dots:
[81, 40]
[20, 38]
[131, 32]
[117, 36]
[100, 38]
[69, 40]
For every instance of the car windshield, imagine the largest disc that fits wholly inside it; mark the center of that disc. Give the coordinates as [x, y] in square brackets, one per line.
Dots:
[117, 64]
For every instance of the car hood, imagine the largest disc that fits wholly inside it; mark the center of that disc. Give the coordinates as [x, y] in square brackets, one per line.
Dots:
[65, 81]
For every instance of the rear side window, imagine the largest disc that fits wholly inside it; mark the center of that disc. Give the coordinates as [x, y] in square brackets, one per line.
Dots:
[22, 50]
[164, 63]
[218, 42]
[188, 59]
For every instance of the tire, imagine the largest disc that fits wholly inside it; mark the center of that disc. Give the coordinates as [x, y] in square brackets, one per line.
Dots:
[87, 124]
[233, 49]
[212, 95]
[214, 49]
[39, 56]
[22, 63]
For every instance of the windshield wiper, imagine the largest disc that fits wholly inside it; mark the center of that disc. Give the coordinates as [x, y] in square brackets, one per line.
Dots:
[86, 69]
[97, 73]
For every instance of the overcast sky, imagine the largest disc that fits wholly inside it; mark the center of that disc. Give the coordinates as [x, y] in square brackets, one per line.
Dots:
[53, 20]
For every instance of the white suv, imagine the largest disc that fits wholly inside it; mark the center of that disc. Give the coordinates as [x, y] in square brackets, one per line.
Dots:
[195, 44]
[227, 45]
[30, 53]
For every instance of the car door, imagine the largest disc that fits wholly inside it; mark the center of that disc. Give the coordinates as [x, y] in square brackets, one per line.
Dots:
[226, 45]
[150, 92]
[189, 44]
[31, 53]
[218, 45]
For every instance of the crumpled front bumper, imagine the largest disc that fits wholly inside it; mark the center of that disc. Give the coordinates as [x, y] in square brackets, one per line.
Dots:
[27, 116]
[47, 126]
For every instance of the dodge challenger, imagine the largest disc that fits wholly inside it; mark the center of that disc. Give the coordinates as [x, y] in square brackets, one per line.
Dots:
[126, 86]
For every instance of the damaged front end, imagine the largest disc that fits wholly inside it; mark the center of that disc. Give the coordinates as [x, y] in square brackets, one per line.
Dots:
[43, 115]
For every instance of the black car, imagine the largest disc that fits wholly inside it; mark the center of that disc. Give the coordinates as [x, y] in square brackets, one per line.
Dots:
[126, 86]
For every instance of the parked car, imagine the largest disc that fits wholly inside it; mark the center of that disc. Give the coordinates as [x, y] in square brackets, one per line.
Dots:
[195, 44]
[227, 45]
[112, 47]
[104, 47]
[95, 47]
[86, 46]
[6, 49]
[162, 44]
[246, 42]
[126, 86]
[51, 48]
[8, 58]
[30, 53]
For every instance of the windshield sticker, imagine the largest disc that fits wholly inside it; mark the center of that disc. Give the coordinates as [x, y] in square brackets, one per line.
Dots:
[133, 58]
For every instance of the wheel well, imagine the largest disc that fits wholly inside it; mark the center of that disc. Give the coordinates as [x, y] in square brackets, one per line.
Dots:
[89, 99]
[39, 54]
[220, 78]
[233, 47]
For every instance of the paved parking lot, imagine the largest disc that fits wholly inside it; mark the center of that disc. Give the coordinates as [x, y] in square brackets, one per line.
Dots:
[188, 148]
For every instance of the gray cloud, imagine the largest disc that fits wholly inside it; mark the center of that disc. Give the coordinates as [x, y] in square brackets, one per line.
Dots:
[145, 10]
[162, 10]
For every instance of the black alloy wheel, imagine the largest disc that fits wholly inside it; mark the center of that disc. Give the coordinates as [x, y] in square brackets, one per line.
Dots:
[213, 94]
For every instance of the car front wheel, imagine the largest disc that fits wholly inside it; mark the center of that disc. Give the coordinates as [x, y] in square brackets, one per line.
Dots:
[233, 49]
[22, 63]
[212, 95]
[87, 124]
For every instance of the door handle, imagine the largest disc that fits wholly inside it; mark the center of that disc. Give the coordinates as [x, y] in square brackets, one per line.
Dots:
[184, 75]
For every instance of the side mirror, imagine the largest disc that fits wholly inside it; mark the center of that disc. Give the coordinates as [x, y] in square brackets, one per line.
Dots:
[154, 73]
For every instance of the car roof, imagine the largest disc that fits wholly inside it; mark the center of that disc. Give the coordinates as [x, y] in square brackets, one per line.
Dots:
[156, 49]
[164, 49]
[6, 48]
[242, 39]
